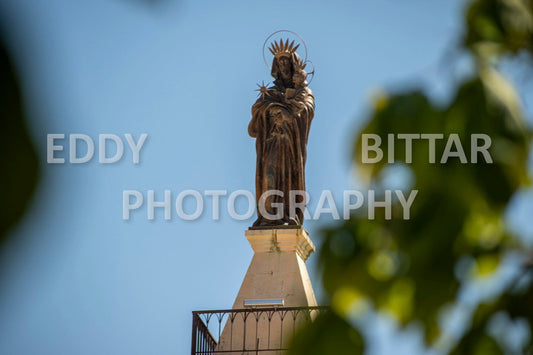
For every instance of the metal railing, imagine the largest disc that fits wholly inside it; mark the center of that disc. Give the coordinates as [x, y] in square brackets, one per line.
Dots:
[248, 331]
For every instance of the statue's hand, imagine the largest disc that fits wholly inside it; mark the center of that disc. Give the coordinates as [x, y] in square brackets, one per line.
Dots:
[296, 106]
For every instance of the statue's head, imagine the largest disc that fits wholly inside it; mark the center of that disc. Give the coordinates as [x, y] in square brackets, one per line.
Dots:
[285, 66]
[286, 61]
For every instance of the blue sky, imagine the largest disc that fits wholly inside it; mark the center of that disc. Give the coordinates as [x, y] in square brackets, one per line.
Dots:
[79, 278]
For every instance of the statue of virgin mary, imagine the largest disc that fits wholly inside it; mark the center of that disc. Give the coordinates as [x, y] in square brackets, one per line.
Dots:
[281, 118]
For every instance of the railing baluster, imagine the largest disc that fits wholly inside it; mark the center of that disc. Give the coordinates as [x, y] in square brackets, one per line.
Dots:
[203, 342]
[193, 340]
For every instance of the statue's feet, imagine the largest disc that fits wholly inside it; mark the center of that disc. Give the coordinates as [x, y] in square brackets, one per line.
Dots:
[258, 222]
[290, 222]
[263, 222]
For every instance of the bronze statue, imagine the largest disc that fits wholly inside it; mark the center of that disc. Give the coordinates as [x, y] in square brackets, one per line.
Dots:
[281, 118]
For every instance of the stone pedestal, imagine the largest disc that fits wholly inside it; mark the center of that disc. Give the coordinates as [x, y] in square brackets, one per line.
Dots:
[277, 272]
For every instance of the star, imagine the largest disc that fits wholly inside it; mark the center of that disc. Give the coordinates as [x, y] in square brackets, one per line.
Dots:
[262, 89]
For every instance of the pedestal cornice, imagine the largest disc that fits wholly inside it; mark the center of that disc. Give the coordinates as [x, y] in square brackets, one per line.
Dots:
[281, 240]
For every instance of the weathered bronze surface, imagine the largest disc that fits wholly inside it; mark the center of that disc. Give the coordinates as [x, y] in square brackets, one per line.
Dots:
[281, 118]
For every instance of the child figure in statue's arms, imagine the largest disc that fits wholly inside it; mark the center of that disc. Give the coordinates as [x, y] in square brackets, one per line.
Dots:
[295, 97]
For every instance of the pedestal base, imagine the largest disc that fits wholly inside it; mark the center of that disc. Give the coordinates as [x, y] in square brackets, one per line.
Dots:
[277, 273]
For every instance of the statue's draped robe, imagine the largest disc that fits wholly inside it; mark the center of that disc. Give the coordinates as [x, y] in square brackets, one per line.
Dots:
[281, 146]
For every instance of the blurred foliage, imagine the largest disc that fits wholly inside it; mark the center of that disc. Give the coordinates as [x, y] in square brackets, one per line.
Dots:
[410, 269]
[329, 334]
[498, 26]
[18, 158]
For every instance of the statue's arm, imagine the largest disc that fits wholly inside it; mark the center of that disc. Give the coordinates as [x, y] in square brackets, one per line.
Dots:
[309, 104]
[303, 101]
[252, 126]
